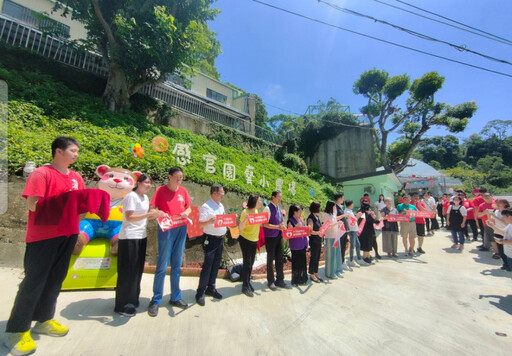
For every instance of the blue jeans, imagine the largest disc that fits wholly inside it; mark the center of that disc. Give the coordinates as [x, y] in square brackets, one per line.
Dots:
[460, 235]
[333, 264]
[171, 244]
[354, 243]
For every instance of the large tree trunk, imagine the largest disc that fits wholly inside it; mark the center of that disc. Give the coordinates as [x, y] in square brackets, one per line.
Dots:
[116, 95]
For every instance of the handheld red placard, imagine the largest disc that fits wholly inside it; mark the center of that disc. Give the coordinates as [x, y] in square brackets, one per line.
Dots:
[395, 218]
[295, 232]
[421, 214]
[324, 228]
[260, 218]
[225, 220]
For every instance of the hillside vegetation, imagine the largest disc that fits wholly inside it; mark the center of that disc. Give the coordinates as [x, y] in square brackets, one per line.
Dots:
[42, 107]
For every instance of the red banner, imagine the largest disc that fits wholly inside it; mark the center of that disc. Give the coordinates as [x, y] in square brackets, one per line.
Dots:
[324, 228]
[172, 222]
[342, 228]
[361, 225]
[225, 220]
[194, 229]
[260, 218]
[421, 214]
[352, 221]
[295, 232]
[395, 218]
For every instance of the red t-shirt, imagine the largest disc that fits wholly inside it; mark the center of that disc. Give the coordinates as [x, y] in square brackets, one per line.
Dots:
[423, 207]
[468, 204]
[446, 205]
[483, 207]
[172, 203]
[46, 182]
[476, 203]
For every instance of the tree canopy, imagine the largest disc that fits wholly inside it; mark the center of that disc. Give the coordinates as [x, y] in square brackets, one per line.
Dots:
[419, 115]
[143, 41]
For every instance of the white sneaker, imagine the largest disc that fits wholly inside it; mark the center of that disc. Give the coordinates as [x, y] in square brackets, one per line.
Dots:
[353, 263]
[346, 267]
[362, 263]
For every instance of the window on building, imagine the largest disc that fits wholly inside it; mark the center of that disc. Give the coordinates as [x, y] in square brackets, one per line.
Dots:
[34, 18]
[212, 94]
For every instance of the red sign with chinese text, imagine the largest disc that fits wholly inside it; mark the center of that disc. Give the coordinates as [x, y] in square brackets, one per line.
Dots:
[394, 218]
[225, 220]
[260, 218]
[295, 232]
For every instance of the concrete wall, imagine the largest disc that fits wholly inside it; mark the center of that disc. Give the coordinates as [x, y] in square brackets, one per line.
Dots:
[14, 221]
[350, 153]
[77, 29]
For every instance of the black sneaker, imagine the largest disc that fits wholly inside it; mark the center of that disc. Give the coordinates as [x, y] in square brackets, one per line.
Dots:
[483, 249]
[271, 286]
[251, 287]
[179, 304]
[420, 250]
[283, 285]
[213, 293]
[153, 309]
[248, 292]
[128, 310]
[200, 301]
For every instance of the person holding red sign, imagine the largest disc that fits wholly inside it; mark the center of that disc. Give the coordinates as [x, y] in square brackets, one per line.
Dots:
[212, 245]
[407, 228]
[390, 229]
[420, 222]
[248, 241]
[367, 236]
[298, 247]
[315, 241]
[174, 200]
[352, 233]
[47, 253]
[132, 245]
[333, 264]
[274, 242]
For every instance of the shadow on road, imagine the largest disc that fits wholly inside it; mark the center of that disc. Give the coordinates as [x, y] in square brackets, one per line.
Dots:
[503, 302]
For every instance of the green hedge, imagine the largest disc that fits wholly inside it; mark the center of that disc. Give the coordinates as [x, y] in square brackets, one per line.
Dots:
[31, 133]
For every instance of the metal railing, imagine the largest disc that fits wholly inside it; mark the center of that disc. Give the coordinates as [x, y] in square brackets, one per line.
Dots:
[20, 35]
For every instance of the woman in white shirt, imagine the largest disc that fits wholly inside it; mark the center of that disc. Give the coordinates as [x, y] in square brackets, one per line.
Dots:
[132, 246]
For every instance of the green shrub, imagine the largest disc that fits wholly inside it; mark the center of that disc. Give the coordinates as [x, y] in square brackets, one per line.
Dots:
[295, 163]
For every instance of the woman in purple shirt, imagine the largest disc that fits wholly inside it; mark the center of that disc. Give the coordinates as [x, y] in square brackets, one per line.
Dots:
[298, 247]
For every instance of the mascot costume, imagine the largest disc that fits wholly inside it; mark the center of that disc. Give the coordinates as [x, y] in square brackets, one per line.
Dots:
[117, 182]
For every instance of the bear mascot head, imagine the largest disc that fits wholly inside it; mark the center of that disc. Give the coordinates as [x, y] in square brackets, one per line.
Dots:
[117, 182]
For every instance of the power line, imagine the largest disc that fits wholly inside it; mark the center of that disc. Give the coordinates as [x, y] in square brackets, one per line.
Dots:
[276, 107]
[449, 19]
[507, 42]
[382, 40]
[414, 33]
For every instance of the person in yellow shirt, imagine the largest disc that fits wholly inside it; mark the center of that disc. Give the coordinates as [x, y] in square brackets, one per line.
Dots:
[248, 240]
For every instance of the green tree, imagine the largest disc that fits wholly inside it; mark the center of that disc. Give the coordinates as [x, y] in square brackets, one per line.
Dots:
[445, 150]
[498, 128]
[143, 41]
[420, 114]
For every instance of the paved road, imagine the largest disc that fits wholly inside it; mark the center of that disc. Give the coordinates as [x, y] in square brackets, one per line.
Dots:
[440, 303]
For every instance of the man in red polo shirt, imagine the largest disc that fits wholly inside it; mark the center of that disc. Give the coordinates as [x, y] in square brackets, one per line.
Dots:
[477, 200]
[484, 210]
[47, 254]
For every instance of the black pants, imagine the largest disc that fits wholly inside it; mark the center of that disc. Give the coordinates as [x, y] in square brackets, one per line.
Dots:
[46, 265]
[212, 248]
[274, 247]
[443, 218]
[315, 245]
[130, 266]
[501, 251]
[375, 245]
[248, 254]
[431, 224]
[343, 246]
[299, 267]
[474, 229]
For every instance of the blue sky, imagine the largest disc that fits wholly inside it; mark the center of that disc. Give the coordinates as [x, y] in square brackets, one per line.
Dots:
[291, 62]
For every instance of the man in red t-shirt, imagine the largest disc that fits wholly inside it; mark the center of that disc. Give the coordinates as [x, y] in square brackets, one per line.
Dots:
[47, 254]
[477, 200]
[484, 210]
[420, 222]
[174, 200]
[470, 218]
